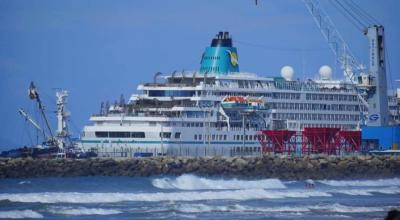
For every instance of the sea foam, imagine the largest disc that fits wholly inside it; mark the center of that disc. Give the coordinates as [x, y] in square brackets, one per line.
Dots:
[83, 211]
[335, 208]
[358, 183]
[201, 208]
[366, 191]
[191, 182]
[76, 197]
[19, 214]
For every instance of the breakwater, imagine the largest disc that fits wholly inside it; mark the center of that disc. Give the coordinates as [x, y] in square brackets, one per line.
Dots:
[315, 167]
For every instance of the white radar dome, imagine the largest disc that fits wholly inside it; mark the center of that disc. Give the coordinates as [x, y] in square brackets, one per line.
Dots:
[287, 72]
[325, 72]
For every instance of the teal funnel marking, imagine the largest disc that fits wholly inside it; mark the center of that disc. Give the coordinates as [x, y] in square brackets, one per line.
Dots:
[221, 57]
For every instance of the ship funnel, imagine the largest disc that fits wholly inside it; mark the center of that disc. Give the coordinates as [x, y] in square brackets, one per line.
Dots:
[221, 57]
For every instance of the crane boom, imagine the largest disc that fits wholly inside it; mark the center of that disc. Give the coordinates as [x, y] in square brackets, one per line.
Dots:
[29, 118]
[33, 94]
[337, 44]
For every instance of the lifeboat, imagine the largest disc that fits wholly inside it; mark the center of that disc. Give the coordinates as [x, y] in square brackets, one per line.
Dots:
[244, 103]
[235, 102]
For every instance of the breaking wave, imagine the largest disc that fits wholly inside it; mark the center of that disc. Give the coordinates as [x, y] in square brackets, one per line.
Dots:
[191, 182]
[350, 209]
[24, 182]
[83, 211]
[379, 182]
[18, 214]
[335, 208]
[76, 197]
[200, 208]
[367, 192]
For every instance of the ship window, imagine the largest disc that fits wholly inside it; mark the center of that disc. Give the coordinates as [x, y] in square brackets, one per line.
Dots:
[119, 134]
[178, 135]
[175, 93]
[224, 137]
[165, 134]
[200, 136]
[101, 134]
[195, 136]
[137, 134]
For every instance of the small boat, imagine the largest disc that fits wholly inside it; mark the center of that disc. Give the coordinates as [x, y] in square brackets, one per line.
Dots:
[240, 102]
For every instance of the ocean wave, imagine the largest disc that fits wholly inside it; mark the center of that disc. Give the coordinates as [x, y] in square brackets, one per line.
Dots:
[24, 182]
[18, 214]
[367, 191]
[338, 208]
[76, 197]
[201, 208]
[334, 208]
[191, 182]
[358, 183]
[83, 211]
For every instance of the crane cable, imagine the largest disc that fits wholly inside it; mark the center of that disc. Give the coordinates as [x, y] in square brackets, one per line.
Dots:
[349, 15]
[355, 14]
[286, 49]
[363, 13]
[355, 10]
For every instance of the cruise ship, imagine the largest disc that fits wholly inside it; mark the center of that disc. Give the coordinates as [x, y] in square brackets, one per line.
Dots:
[220, 111]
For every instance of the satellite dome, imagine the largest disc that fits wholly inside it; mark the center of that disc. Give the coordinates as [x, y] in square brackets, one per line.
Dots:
[325, 72]
[287, 72]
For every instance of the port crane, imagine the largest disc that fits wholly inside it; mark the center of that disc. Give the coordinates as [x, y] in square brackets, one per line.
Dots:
[60, 139]
[28, 118]
[34, 95]
[370, 85]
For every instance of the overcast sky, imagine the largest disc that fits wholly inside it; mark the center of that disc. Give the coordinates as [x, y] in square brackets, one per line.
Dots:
[100, 49]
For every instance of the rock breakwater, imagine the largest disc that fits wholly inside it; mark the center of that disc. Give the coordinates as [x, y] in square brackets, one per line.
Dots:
[315, 167]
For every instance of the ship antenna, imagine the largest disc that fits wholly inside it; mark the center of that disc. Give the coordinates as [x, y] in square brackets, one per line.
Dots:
[205, 78]
[194, 78]
[155, 77]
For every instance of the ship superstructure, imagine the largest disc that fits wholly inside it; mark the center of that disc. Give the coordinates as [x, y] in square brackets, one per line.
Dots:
[219, 110]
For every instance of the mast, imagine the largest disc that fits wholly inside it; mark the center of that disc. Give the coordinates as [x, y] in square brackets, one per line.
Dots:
[62, 115]
[33, 94]
[378, 112]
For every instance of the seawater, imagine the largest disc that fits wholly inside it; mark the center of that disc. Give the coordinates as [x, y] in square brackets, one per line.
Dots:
[193, 197]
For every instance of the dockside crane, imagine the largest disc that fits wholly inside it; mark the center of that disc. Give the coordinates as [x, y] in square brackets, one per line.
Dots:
[61, 137]
[30, 120]
[34, 95]
[370, 84]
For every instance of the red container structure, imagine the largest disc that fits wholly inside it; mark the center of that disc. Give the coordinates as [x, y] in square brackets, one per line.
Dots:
[320, 140]
[278, 141]
[350, 141]
[332, 141]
